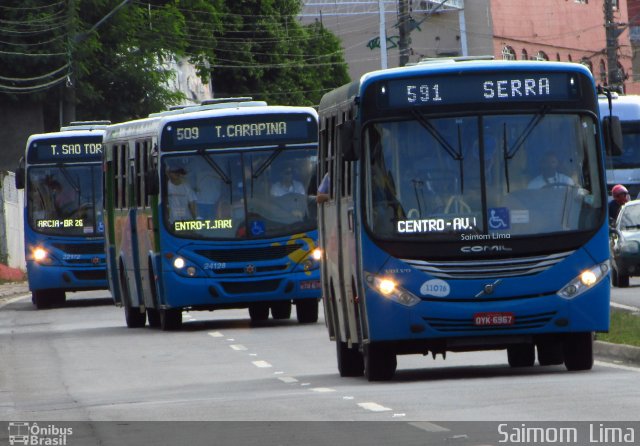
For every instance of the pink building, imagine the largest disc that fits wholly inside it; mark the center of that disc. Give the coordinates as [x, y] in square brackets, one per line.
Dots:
[564, 30]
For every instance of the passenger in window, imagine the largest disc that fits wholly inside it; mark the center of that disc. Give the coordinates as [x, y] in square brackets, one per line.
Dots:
[182, 198]
[551, 175]
[287, 184]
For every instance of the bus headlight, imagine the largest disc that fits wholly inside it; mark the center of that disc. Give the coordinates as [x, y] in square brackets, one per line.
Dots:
[587, 279]
[316, 254]
[390, 289]
[42, 256]
[178, 263]
[185, 267]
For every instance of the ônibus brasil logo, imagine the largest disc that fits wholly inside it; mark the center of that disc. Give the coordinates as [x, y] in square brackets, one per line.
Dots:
[32, 434]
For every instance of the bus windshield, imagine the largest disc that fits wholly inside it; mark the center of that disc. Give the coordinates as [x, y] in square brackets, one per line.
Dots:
[630, 157]
[240, 195]
[61, 199]
[482, 177]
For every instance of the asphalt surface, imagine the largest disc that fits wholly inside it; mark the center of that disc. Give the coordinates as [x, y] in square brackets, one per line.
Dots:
[619, 353]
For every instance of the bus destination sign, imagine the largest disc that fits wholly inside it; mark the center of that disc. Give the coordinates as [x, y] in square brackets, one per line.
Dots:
[65, 150]
[478, 88]
[235, 131]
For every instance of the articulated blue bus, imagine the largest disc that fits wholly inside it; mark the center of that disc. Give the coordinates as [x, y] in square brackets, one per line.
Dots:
[467, 211]
[211, 207]
[61, 173]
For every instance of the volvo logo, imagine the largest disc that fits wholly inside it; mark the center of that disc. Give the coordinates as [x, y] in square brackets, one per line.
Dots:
[485, 248]
[250, 269]
[95, 260]
[489, 288]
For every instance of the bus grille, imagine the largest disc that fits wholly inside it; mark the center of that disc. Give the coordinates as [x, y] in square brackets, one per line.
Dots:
[480, 269]
[248, 255]
[80, 248]
[85, 261]
[258, 269]
[261, 286]
[521, 322]
[100, 274]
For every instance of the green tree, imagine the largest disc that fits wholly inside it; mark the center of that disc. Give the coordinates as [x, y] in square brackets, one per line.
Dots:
[115, 66]
[266, 53]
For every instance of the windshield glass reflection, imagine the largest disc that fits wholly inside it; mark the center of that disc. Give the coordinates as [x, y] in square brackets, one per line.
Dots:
[254, 194]
[62, 200]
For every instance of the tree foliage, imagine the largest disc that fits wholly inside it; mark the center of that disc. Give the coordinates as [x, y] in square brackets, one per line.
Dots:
[117, 65]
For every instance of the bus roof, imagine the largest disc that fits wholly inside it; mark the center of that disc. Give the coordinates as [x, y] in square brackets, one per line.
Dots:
[625, 107]
[444, 66]
[156, 122]
[64, 134]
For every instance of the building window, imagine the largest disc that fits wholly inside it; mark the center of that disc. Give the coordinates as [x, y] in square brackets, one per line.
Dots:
[508, 53]
[603, 72]
[558, 57]
[587, 63]
[541, 55]
[524, 55]
[583, 2]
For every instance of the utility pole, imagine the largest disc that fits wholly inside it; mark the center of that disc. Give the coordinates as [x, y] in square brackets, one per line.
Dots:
[614, 75]
[405, 30]
[383, 35]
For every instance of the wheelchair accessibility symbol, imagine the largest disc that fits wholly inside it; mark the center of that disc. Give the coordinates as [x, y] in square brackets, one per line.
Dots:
[499, 218]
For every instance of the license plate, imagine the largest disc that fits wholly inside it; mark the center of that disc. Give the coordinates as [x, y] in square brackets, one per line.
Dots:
[310, 285]
[494, 318]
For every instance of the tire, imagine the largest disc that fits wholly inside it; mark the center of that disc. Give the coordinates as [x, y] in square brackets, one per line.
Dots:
[41, 299]
[623, 280]
[132, 315]
[281, 310]
[170, 319]
[259, 312]
[379, 362]
[59, 297]
[578, 351]
[350, 361]
[521, 355]
[550, 353]
[153, 316]
[307, 311]
[614, 276]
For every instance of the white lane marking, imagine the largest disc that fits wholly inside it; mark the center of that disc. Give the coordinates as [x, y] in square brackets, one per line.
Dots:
[323, 389]
[261, 364]
[429, 427]
[13, 299]
[230, 339]
[238, 347]
[287, 379]
[253, 354]
[347, 398]
[624, 307]
[305, 384]
[617, 366]
[215, 334]
[278, 373]
[373, 407]
[399, 415]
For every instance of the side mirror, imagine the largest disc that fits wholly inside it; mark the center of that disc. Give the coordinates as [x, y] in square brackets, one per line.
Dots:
[151, 182]
[346, 141]
[20, 174]
[612, 132]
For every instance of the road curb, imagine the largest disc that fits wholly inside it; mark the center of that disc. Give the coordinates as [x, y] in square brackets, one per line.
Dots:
[617, 352]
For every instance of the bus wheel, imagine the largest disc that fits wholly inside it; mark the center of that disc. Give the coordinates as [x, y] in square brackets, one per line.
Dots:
[58, 298]
[623, 280]
[550, 353]
[350, 362]
[281, 310]
[379, 362]
[521, 355]
[259, 312]
[134, 317]
[307, 311]
[41, 299]
[170, 319]
[153, 316]
[578, 351]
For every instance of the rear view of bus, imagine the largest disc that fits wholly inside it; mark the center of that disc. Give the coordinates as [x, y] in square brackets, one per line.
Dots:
[61, 173]
[624, 167]
[467, 211]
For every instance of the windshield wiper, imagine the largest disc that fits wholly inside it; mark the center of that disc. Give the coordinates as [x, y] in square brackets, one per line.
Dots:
[215, 166]
[75, 185]
[260, 170]
[456, 155]
[535, 120]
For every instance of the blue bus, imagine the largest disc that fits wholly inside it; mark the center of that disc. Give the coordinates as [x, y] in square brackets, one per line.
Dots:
[61, 173]
[211, 207]
[467, 211]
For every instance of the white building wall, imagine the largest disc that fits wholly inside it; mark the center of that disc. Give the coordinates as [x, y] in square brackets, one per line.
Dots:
[13, 204]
